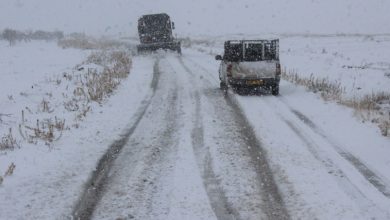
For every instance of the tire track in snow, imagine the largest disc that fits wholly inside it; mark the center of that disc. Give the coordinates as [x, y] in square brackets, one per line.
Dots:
[273, 206]
[217, 197]
[205, 70]
[221, 207]
[379, 183]
[143, 181]
[94, 188]
[338, 174]
[156, 163]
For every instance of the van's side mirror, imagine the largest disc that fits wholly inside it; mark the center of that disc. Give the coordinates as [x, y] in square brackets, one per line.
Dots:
[218, 57]
[173, 25]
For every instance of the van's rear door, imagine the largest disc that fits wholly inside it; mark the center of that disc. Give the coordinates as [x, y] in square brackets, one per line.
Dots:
[254, 70]
[260, 60]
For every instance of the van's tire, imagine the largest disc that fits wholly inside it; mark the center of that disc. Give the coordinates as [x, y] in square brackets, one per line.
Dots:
[275, 90]
[223, 86]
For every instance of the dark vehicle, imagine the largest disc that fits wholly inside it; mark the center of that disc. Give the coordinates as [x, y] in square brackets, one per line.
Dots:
[155, 32]
[250, 65]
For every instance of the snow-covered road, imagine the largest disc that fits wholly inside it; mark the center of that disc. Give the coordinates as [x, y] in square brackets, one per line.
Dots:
[195, 153]
[190, 156]
[168, 144]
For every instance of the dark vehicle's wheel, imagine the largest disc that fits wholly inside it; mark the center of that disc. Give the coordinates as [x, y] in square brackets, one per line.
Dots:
[275, 90]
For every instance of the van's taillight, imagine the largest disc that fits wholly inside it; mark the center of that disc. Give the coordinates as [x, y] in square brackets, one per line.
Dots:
[278, 71]
[229, 70]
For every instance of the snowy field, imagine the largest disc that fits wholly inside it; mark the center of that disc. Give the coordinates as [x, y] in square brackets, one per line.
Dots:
[355, 68]
[359, 63]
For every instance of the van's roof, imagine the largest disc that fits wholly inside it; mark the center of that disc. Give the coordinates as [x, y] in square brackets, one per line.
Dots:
[249, 41]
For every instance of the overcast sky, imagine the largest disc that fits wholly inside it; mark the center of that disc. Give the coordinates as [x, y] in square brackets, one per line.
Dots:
[200, 17]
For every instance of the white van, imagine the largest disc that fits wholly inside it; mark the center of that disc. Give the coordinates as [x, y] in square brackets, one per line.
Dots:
[250, 65]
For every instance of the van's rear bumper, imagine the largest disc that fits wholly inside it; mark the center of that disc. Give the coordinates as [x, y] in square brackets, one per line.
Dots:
[250, 83]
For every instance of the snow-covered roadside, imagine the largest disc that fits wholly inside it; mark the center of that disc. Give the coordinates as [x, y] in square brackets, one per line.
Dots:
[359, 63]
[351, 70]
[27, 74]
[317, 178]
[47, 181]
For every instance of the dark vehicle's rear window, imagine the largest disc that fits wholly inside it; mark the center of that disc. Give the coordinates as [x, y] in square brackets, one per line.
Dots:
[153, 22]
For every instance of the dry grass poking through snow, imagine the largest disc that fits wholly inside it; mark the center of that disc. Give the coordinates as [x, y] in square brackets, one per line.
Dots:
[327, 88]
[369, 108]
[373, 108]
[47, 130]
[8, 142]
[99, 85]
[9, 172]
[91, 82]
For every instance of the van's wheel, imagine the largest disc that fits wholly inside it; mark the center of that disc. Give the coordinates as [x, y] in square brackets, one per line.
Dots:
[223, 86]
[275, 90]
